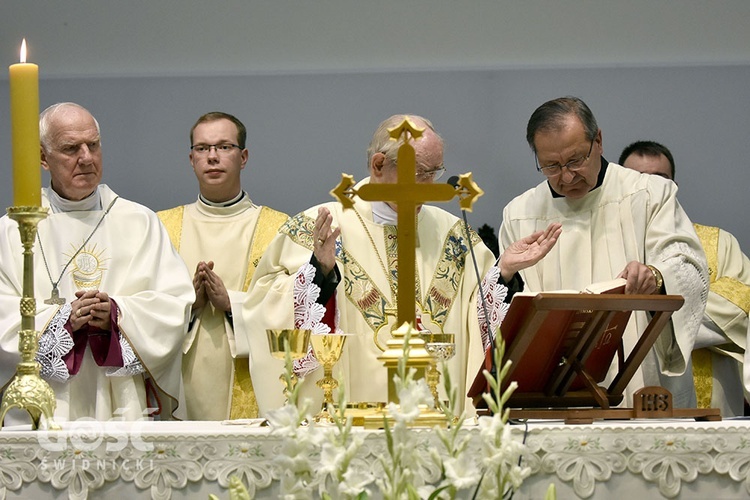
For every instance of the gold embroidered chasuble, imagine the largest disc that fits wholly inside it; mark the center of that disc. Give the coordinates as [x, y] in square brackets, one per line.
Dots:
[216, 376]
[365, 297]
[727, 307]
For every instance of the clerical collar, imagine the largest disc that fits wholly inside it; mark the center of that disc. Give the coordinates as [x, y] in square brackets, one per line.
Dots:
[384, 214]
[59, 204]
[223, 204]
[599, 180]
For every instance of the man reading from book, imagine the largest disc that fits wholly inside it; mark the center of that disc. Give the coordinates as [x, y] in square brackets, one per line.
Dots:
[616, 223]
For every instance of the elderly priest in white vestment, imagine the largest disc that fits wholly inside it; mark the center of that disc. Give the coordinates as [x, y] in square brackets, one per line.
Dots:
[615, 223]
[331, 269]
[113, 297]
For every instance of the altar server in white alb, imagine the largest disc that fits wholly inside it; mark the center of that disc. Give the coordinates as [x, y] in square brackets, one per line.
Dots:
[113, 297]
[615, 223]
[332, 269]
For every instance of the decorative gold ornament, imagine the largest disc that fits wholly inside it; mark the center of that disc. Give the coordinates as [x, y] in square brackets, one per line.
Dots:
[296, 342]
[27, 390]
[441, 347]
[327, 348]
[408, 194]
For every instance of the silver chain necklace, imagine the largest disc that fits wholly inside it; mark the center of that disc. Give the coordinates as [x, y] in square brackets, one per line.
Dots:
[54, 297]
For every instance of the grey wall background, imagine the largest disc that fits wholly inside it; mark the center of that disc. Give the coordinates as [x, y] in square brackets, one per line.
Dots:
[311, 80]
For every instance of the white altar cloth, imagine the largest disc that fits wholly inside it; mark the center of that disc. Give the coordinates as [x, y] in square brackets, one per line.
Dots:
[177, 460]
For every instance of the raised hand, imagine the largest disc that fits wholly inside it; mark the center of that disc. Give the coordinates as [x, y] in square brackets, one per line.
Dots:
[324, 240]
[528, 250]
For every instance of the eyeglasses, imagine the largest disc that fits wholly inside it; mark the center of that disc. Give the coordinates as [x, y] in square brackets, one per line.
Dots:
[425, 175]
[573, 165]
[433, 174]
[222, 148]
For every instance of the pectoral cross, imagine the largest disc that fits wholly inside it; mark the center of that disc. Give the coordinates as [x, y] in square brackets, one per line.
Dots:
[54, 297]
[408, 194]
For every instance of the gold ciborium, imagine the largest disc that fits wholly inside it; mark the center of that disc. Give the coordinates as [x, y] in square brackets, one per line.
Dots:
[328, 348]
[293, 343]
[442, 347]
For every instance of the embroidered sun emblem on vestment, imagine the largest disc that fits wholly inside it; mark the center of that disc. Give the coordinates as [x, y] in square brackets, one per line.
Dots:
[87, 268]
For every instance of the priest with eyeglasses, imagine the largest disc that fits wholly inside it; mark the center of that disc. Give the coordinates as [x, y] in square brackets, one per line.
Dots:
[615, 223]
[221, 236]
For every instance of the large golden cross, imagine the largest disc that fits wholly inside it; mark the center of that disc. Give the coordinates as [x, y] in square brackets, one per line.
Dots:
[408, 194]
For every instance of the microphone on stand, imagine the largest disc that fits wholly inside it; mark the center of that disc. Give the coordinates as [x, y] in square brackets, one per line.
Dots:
[453, 181]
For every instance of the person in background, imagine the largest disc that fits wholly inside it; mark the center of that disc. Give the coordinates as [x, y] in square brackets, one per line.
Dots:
[720, 370]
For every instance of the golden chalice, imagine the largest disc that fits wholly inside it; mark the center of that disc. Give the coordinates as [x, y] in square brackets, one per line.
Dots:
[291, 344]
[442, 347]
[328, 348]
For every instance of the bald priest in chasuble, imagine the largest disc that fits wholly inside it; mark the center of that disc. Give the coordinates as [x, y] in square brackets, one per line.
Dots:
[332, 269]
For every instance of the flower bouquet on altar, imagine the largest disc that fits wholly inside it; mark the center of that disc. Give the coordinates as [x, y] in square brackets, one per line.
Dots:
[331, 462]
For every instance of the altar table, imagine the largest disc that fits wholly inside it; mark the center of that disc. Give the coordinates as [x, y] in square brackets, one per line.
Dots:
[177, 460]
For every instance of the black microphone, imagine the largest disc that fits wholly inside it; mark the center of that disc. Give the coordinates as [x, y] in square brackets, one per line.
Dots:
[453, 181]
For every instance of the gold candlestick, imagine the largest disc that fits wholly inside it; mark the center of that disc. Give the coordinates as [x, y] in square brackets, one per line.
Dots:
[28, 391]
[328, 348]
[296, 342]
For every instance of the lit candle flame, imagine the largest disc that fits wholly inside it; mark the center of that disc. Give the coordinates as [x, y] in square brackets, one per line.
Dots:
[23, 51]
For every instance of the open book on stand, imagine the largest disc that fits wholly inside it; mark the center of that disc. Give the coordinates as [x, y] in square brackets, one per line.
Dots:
[561, 347]
[558, 350]
[556, 337]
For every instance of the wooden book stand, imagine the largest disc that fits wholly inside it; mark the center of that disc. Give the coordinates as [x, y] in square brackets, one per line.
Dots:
[561, 346]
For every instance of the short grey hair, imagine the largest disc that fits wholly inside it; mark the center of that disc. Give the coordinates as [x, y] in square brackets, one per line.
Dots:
[381, 140]
[45, 121]
[552, 114]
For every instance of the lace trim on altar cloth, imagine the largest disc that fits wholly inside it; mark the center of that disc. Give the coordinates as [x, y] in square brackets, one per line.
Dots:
[494, 297]
[54, 343]
[131, 365]
[307, 315]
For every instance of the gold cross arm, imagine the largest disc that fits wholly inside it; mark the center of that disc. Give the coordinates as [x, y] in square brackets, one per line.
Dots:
[405, 129]
[468, 191]
[406, 193]
[344, 192]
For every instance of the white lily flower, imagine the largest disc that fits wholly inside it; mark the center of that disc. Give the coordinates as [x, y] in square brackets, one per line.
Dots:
[462, 472]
